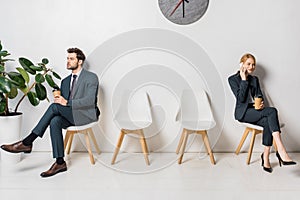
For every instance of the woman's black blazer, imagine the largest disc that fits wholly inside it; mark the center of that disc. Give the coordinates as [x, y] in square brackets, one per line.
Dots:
[240, 90]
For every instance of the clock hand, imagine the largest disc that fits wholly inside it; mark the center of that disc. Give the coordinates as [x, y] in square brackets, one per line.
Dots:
[183, 8]
[178, 4]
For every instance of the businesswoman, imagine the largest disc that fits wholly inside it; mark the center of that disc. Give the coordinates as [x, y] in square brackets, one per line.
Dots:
[245, 87]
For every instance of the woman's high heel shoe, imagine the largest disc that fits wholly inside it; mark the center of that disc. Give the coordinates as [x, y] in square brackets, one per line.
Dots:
[284, 162]
[262, 164]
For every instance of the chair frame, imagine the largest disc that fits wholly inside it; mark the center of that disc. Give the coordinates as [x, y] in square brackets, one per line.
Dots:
[139, 132]
[183, 141]
[130, 129]
[189, 129]
[87, 132]
[254, 132]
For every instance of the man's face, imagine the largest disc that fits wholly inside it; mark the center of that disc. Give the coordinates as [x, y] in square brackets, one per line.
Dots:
[72, 61]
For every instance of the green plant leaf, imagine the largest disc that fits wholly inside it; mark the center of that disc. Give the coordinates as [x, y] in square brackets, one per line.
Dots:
[15, 84]
[50, 80]
[36, 68]
[24, 90]
[45, 61]
[56, 75]
[5, 85]
[17, 77]
[2, 106]
[24, 74]
[0, 46]
[2, 68]
[39, 78]
[5, 60]
[13, 93]
[25, 63]
[41, 91]
[4, 53]
[2, 103]
[33, 98]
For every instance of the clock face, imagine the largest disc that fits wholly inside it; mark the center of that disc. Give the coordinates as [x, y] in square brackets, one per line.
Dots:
[183, 11]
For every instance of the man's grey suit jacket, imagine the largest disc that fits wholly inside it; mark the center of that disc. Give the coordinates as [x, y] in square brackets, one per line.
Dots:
[84, 102]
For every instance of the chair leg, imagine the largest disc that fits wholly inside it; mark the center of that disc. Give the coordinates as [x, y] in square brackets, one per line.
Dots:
[251, 146]
[144, 146]
[120, 140]
[90, 130]
[70, 142]
[183, 146]
[203, 137]
[180, 142]
[66, 139]
[237, 151]
[88, 144]
[145, 143]
[209, 151]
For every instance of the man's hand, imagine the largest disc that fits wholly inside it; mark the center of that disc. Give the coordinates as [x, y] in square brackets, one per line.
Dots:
[60, 100]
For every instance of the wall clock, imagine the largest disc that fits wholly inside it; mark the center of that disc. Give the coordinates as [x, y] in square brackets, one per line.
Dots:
[183, 12]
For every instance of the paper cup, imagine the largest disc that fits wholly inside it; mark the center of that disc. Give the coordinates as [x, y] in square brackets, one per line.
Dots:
[257, 102]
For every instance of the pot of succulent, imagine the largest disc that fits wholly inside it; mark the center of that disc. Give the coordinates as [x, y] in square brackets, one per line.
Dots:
[18, 85]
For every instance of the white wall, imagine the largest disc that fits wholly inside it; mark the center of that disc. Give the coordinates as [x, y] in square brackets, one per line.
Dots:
[268, 29]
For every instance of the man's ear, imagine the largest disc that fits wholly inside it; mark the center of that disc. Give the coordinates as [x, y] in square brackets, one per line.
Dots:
[80, 62]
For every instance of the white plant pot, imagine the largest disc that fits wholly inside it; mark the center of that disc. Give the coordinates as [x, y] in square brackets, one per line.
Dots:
[10, 132]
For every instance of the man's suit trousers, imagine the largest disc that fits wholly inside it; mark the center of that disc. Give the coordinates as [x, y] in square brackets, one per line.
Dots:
[58, 117]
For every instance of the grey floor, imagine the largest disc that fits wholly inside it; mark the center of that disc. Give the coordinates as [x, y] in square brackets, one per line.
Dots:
[131, 179]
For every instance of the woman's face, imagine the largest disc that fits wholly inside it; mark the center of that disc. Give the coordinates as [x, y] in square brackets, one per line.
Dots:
[249, 65]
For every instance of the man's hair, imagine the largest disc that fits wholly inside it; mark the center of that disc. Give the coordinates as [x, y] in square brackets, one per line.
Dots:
[79, 54]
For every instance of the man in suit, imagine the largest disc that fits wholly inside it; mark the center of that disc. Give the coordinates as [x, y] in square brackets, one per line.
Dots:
[77, 105]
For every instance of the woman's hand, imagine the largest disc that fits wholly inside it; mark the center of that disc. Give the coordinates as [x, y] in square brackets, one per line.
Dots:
[243, 72]
[60, 100]
[262, 105]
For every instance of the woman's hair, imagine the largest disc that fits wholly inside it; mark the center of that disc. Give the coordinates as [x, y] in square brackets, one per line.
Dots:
[246, 56]
[79, 54]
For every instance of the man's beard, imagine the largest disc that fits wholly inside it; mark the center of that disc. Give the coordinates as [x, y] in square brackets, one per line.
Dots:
[73, 67]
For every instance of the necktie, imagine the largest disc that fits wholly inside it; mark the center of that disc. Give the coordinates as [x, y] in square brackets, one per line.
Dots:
[73, 86]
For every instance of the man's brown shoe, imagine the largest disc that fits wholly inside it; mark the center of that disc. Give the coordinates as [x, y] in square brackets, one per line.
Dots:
[17, 147]
[54, 169]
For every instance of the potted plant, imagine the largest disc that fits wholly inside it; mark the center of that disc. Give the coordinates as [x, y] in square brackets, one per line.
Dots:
[19, 81]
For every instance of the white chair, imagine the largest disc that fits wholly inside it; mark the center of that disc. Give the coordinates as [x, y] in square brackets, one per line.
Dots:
[255, 130]
[132, 116]
[196, 117]
[88, 132]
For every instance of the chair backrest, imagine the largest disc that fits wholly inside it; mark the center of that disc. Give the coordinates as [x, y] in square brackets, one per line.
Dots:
[195, 107]
[134, 110]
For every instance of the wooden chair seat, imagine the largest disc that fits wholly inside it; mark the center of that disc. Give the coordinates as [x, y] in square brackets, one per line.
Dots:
[88, 133]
